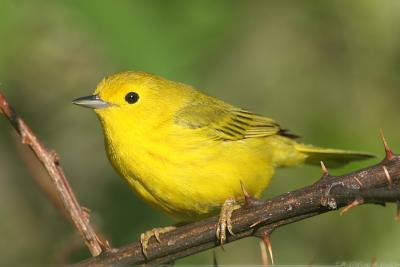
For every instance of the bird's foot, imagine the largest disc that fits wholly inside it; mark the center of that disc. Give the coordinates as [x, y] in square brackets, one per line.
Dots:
[145, 237]
[224, 222]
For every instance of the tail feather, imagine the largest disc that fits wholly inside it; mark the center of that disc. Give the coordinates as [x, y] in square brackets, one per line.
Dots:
[331, 157]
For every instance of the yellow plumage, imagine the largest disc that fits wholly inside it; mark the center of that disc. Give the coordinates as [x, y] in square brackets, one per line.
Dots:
[185, 152]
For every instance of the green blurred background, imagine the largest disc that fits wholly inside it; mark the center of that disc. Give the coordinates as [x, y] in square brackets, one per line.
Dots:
[327, 70]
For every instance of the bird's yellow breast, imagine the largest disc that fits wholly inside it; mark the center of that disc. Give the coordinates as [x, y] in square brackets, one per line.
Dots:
[179, 171]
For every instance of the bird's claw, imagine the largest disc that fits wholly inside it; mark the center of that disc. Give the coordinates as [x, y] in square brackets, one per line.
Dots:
[145, 237]
[224, 222]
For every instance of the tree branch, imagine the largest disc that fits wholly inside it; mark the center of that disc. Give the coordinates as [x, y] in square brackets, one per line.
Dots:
[369, 185]
[50, 161]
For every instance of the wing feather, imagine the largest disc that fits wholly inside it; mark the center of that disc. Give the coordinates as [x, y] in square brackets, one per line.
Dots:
[224, 122]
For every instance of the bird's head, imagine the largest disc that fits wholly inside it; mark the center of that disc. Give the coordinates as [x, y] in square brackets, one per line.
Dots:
[136, 98]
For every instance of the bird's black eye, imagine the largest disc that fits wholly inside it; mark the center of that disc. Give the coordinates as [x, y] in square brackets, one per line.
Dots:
[131, 97]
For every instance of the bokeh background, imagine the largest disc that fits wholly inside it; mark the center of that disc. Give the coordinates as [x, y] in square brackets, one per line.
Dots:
[327, 70]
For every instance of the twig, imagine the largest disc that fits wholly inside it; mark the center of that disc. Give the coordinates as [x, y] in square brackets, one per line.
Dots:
[41, 177]
[51, 163]
[327, 194]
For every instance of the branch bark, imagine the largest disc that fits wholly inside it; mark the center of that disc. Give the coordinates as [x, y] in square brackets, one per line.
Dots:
[378, 184]
[50, 161]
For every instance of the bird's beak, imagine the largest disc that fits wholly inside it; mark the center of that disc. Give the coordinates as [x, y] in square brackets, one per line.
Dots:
[91, 101]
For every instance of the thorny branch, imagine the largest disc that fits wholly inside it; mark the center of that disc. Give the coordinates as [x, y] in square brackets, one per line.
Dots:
[50, 161]
[378, 184]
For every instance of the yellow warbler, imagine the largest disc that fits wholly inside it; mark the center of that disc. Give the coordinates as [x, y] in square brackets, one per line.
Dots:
[187, 153]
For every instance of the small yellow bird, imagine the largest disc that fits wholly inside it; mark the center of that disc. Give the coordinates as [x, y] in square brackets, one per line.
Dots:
[187, 153]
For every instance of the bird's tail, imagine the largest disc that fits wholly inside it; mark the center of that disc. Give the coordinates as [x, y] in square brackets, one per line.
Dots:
[331, 157]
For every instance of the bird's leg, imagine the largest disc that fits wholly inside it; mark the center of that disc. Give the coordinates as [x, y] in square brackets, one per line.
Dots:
[145, 237]
[224, 222]
[229, 206]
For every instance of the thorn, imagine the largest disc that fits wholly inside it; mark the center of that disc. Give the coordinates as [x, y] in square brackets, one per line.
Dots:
[358, 201]
[264, 255]
[389, 179]
[389, 152]
[325, 171]
[267, 242]
[358, 181]
[258, 222]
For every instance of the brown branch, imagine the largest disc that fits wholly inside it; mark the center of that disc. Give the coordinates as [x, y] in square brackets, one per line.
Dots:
[369, 185]
[40, 176]
[51, 163]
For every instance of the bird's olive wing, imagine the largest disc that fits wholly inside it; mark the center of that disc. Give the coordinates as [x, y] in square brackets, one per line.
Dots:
[224, 122]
